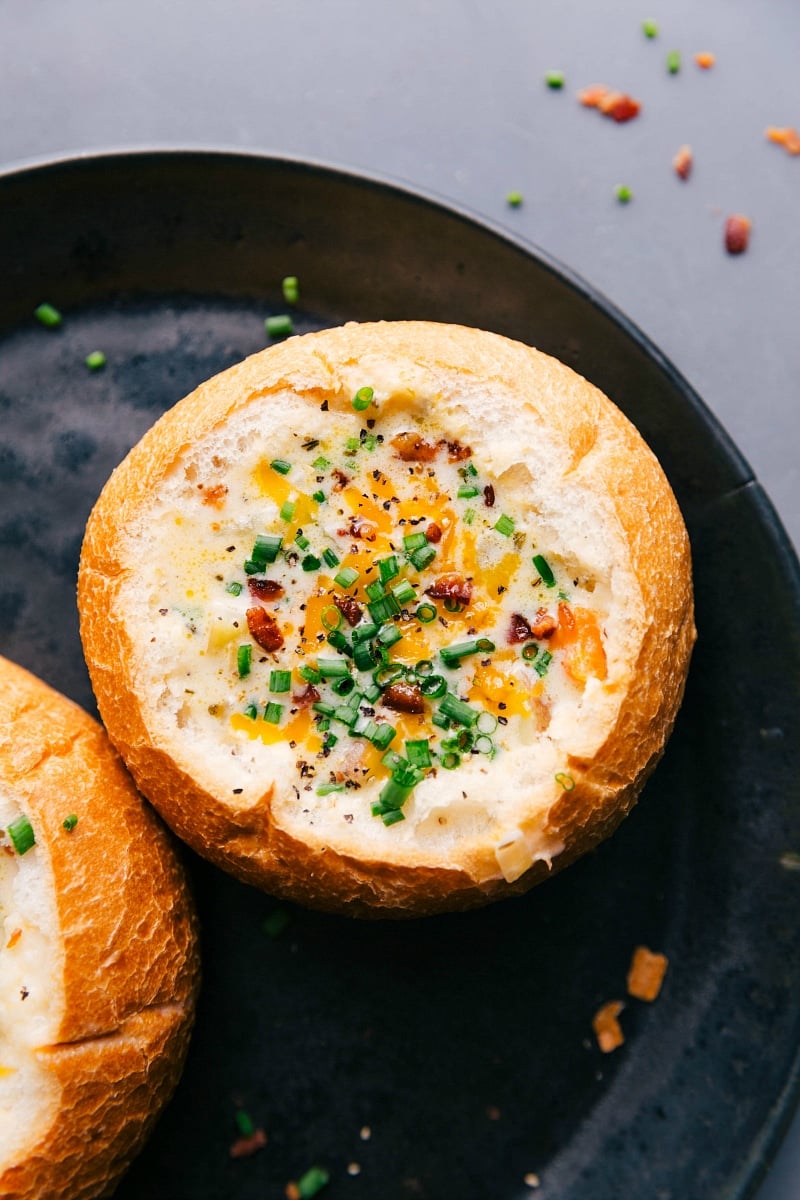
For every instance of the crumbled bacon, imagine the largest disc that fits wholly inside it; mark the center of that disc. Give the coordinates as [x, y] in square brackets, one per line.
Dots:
[265, 589]
[413, 448]
[215, 496]
[607, 1028]
[264, 629]
[646, 974]
[451, 587]
[545, 624]
[350, 609]
[456, 452]
[705, 59]
[617, 105]
[433, 533]
[243, 1147]
[519, 631]
[342, 480]
[404, 697]
[737, 233]
[788, 138]
[361, 528]
[488, 496]
[590, 97]
[682, 162]
[309, 696]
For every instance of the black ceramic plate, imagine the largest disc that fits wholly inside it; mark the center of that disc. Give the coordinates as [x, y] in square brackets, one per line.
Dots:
[462, 1043]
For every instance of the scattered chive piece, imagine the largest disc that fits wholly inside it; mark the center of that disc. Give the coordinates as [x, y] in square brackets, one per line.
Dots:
[433, 686]
[280, 681]
[301, 540]
[318, 496]
[375, 590]
[458, 710]
[486, 722]
[346, 577]
[332, 668]
[234, 587]
[650, 29]
[321, 463]
[543, 567]
[70, 822]
[674, 62]
[291, 289]
[555, 79]
[331, 618]
[505, 525]
[394, 794]
[514, 199]
[325, 789]
[451, 655]
[384, 735]
[363, 657]
[404, 593]
[423, 557]
[566, 781]
[363, 633]
[251, 711]
[311, 563]
[281, 466]
[419, 752]
[414, 541]
[388, 568]
[363, 398]
[469, 516]
[529, 651]
[281, 326]
[95, 360]
[310, 674]
[287, 510]
[337, 639]
[243, 660]
[351, 445]
[244, 1123]
[48, 316]
[331, 557]
[543, 663]
[426, 613]
[381, 610]
[392, 816]
[450, 760]
[388, 674]
[265, 548]
[273, 713]
[467, 490]
[623, 193]
[389, 634]
[21, 834]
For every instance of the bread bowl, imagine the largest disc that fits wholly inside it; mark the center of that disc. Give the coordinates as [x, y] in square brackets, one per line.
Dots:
[283, 525]
[98, 960]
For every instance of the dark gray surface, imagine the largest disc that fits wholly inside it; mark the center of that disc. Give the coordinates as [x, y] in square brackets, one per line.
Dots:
[449, 96]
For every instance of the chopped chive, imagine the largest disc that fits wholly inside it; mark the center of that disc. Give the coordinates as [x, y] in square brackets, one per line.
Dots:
[363, 658]
[279, 326]
[505, 525]
[273, 713]
[375, 590]
[363, 633]
[388, 674]
[623, 193]
[371, 441]
[469, 516]
[484, 745]
[440, 719]
[392, 816]
[243, 660]
[394, 794]
[555, 79]
[265, 548]
[287, 510]
[404, 593]
[21, 834]
[291, 289]
[333, 668]
[301, 540]
[280, 681]
[331, 557]
[321, 463]
[529, 651]
[674, 62]
[423, 668]
[346, 713]
[319, 497]
[389, 634]
[543, 663]
[70, 822]
[384, 735]
[381, 610]
[310, 674]
[48, 315]
[566, 780]
[346, 577]
[486, 723]
[544, 569]
[244, 1122]
[419, 752]
[414, 541]
[433, 686]
[351, 445]
[388, 568]
[311, 563]
[423, 557]
[251, 711]
[234, 587]
[325, 789]
[467, 490]
[451, 655]
[450, 760]
[95, 360]
[281, 466]
[337, 639]
[426, 613]
[650, 29]
[325, 709]
[331, 618]
[363, 398]
[458, 710]
[514, 199]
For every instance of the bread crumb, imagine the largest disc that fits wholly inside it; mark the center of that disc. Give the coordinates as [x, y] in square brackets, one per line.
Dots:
[606, 1027]
[532, 1180]
[646, 974]
[366, 1133]
[354, 1168]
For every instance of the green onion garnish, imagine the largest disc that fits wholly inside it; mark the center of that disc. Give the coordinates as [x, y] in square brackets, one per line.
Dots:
[351, 445]
[279, 326]
[325, 709]
[486, 722]
[301, 540]
[394, 794]
[346, 713]
[674, 62]
[543, 663]
[333, 668]
[281, 466]
[325, 789]
[404, 593]
[451, 655]
[450, 760]
[555, 79]
[433, 686]
[650, 29]
[392, 816]
[389, 634]
[414, 541]
[484, 745]
[346, 577]
[566, 780]
[70, 822]
[623, 193]
[529, 651]
[331, 618]
[384, 736]
[311, 563]
[514, 199]
[280, 681]
[319, 497]
[244, 1122]
[505, 525]
[287, 510]
[310, 674]
[273, 713]
[426, 613]
[363, 633]
[331, 557]
[388, 674]
[458, 710]
[363, 398]
[467, 490]
[363, 657]
[381, 610]
[251, 711]
[243, 660]
[423, 668]
[265, 548]
[234, 587]
[388, 568]
[21, 834]
[543, 567]
[47, 315]
[375, 590]
[419, 753]
[321, 463]
[469, 516]
[423, 557]
[96, 360]
[291, 289]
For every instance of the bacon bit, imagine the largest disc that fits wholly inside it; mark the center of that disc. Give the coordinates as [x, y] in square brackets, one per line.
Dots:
[292, 1192]
[433, 533]
[16, 934]
[309, 696]
[607, 1028]
[342, 480]
[705, 59]
[619, 106]
[488, 496]
[360, 528]
[683, 161]
[265, 589]
[451, 587]
[456, 452]
[412, 448]
[350, 609]
[590, 97]
[646, 974]
[788, 138]
[215, 496]
[545, 625]
[520, 630]
[737, 233]
[264, 629]
[243, 1147]
[404, 697]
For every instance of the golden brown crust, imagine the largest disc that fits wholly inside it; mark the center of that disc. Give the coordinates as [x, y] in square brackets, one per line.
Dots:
[602, 449]
[126, 939]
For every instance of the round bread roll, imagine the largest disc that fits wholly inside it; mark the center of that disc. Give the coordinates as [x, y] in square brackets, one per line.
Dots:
[98, 960]
[389, 619]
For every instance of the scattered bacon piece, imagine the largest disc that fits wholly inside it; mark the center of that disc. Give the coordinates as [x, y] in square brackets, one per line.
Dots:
[433, 533]
[737, 233]
[215, 496]
[412, 448]
[590, 97]
[488, 496]
[360, 528]
[451, 587]
[456, 452]
[292, 1192]
[607, 1028]
[309, 696]
[265, 589]
[705, 59]
[16, 934]
[520, 630]
[788, 138]
[646, 974]
[682, 162]
[243, 1147]
[264, 629]
[350, 609]
[619, 106]
[545, 624]
[404, 697]
[342, 480]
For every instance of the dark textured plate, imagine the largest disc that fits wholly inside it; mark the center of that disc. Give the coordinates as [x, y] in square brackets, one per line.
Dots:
[463, 1043]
